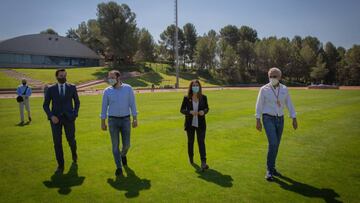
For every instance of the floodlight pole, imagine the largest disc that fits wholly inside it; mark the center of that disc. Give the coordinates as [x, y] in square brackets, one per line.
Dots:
[176, 46]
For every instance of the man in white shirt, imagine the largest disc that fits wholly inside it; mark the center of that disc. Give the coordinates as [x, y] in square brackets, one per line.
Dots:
[270, 106]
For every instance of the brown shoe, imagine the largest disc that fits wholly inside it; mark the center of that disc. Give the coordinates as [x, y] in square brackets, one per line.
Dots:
[204, 166]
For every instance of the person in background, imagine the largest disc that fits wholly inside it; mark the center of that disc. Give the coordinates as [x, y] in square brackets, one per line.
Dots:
[65, 105]
[117, 102]
[24, 91]
[195, 106]
[272, 99]
[152, 87]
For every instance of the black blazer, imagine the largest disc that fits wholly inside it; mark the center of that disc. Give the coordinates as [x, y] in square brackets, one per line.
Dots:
[62, 106]
[187, 106]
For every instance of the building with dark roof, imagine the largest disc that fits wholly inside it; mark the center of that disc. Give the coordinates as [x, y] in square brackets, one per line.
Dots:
[45, 50]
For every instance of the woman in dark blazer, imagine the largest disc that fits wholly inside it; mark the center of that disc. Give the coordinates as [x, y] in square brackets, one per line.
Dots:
[194, 106]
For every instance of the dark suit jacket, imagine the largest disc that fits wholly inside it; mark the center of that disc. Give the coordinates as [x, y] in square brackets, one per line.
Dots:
[62, 105]
[187, 106]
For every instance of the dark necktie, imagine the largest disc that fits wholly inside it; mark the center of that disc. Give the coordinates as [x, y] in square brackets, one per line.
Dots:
[62, 90]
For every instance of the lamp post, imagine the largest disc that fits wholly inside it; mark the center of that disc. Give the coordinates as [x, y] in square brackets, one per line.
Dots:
[176, 47]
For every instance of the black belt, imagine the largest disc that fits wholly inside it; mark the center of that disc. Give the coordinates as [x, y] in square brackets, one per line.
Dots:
[265, 114]
[120, 117]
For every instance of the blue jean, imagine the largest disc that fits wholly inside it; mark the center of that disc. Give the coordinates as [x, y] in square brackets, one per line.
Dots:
[117, 126]
[273, 127]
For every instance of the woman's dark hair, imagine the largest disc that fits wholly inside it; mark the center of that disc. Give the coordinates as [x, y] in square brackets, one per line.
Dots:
[190, 92]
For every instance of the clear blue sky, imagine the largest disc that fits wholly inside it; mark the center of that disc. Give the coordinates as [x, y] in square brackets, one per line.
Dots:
[329, 20]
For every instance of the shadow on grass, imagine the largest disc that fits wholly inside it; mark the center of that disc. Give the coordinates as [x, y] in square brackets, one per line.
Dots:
[136, 82]
[152, 77]
[184, 75]
[329, 195]
[64, 182]
[130, 183]
[23, 124]
[214, 176]
[102, 73]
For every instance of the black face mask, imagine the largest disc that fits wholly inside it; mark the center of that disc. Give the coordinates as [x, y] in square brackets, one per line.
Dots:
[61, 80]
[24, 83]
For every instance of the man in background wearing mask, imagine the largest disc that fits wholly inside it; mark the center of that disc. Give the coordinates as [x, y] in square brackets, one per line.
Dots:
[62, 114]
[270, 106]
[117, 102]
[25, 92]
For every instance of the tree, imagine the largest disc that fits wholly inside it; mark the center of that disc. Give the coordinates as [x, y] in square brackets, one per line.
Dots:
[342, 72]
[230, 34]
[72, 34]
[49, 31]
[297, 42]
[168, 41]
[202, 53]
[246, 33]
[146, 46]
[118, 26]
[190, 38]
[319, 72]
[352, 58]
[332, 58]
[88, 34]
[206, 51]
[229, 66]
[309, 57]
[313, 43]
[297, 65]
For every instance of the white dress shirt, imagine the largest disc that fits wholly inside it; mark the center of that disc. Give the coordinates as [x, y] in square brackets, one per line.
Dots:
[59, 87]
[267, 101]
[195, 120]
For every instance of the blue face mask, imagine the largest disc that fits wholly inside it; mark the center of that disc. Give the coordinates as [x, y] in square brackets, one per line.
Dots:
[195, 89]
[112, 82]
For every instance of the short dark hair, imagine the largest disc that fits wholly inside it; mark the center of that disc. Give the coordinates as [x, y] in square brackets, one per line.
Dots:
[116, 72]
[59, 70]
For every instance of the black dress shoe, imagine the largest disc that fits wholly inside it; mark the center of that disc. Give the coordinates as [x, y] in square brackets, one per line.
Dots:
[118, 172]
[124, 160]
[204, 166]
[59, 170]
[276, 173]
[29, 119]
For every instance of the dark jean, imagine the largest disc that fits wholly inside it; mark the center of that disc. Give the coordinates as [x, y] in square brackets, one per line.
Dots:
[200, 133]
[273, 127]
[117, 126]
[69, 127]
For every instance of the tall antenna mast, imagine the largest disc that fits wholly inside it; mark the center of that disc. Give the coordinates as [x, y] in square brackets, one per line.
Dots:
[176, 46]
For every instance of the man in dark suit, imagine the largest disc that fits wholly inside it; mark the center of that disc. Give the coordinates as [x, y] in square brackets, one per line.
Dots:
[62, 114]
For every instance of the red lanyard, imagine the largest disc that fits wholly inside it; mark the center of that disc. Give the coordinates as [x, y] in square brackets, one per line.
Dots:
[277, 96]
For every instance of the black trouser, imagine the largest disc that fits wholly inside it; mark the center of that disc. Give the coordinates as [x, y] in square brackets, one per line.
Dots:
[69, 127]
[200, 133]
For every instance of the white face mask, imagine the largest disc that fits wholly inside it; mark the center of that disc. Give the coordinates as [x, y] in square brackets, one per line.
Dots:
[112, 82]
[274, 81]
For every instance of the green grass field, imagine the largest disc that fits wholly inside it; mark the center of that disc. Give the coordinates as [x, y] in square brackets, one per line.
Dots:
[320, 160]
[156, 75]
[75, 75]
[8, 82]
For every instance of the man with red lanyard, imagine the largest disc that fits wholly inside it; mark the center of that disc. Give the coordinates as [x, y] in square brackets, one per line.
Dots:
[272, 99]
